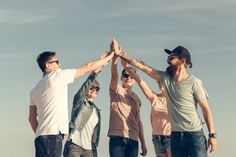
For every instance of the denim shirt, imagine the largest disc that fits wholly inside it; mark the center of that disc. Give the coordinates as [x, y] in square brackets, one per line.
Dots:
[82, 110]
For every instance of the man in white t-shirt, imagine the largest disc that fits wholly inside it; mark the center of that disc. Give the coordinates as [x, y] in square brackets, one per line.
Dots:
[48, 111]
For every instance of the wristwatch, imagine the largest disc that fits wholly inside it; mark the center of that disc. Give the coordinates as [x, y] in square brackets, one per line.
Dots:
[212, 135]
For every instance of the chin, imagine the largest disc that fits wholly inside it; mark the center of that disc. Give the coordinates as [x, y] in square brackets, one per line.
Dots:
[171, 70]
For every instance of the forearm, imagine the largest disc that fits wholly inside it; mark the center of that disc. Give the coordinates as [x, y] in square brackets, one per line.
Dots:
[84, 88]
[141, 134]
[93, 65]
[212, 143]
[133, 74]
[114, 74]
[114, 68]
[134, 62]
[144, 87]
[34, 124]
[146, 90]
[33, 118]
[140, 65]
[207, 115]
[209, 121]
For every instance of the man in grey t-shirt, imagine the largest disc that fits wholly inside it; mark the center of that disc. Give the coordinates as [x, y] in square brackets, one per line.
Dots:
[184, 93]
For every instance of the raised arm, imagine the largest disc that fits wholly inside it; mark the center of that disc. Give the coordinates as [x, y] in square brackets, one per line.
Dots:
[142, 66]
[144, 87]
[114, 69]
[80, 95]
[136, 63]
[93, 65]
[212, 143]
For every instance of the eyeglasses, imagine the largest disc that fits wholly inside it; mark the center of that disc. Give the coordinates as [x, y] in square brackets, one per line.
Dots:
[95, 88]
[56, 61]
[126, 76]
[172, 57]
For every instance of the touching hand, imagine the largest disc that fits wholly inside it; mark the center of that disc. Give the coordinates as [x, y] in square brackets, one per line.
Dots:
[115, 47]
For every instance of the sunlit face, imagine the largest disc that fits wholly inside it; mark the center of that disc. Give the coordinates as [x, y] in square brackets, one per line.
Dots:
[127, 80]
[172, 59]
[53, 64]
[93, 91]
[174, 63]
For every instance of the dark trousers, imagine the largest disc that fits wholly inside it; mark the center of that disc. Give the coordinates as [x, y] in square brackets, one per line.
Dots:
[122, 147]
[188, 144]
[49, 145]
[73, 150]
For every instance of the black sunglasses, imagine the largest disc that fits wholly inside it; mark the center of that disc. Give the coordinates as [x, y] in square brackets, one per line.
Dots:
[56, 61]
[95, 88]
[172, 57]
[126, 76]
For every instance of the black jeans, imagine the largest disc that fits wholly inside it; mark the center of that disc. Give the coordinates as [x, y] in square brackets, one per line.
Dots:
[122, 147]
[48, 145]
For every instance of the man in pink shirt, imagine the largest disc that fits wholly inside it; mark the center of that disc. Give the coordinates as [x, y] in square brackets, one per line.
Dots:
[161, 128]
[125, 124]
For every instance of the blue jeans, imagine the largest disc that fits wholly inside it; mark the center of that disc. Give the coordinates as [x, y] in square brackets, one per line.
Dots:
[48, 145]
[161, 144]
[73, 150]
[188, 144]
[122, 147]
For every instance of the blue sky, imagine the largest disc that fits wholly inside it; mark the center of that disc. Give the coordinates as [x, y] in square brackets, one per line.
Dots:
[79, 31]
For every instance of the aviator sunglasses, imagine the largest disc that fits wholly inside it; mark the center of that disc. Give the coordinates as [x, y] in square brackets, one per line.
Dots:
[95, 88]
[172, 57]
[126, 76]
[56, 61]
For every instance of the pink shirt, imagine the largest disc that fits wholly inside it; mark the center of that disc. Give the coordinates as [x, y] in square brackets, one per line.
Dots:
[159, 117]
[124, 114]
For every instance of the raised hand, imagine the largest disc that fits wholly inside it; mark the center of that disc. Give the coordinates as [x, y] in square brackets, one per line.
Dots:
[115, 47]
[103, 55]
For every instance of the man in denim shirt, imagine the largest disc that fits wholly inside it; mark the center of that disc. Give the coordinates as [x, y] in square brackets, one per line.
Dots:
[85, 121]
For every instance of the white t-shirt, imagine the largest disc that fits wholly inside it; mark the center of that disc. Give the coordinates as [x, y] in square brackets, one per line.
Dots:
[83, 138]
[50, 96]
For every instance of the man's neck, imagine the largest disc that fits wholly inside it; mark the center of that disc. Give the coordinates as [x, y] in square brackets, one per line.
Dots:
[127, 88]
[181, 75]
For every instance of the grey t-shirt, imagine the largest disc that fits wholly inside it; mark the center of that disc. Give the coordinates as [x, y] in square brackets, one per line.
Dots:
[182, 100]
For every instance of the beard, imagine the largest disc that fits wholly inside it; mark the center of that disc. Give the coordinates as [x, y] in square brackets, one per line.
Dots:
[171, 70]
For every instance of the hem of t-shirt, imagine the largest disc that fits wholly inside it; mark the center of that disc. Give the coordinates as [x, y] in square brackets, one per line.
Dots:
[129, 137]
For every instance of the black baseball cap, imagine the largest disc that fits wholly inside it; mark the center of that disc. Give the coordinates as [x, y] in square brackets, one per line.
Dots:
[181, 52]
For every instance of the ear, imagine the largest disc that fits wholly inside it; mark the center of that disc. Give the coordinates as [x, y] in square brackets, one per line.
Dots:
[47, 66]
[183, 60]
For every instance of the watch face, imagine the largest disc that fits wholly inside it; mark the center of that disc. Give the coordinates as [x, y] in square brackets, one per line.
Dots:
[213, 135]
